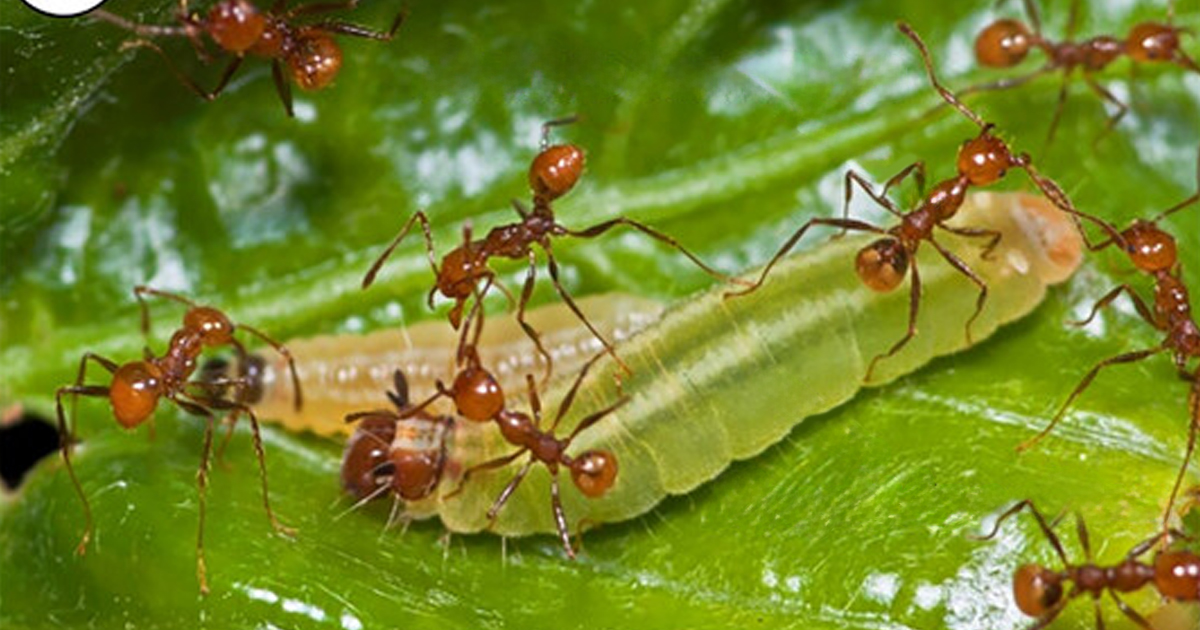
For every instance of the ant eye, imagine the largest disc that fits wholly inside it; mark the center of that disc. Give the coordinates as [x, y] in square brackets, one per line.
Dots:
[1036, 589]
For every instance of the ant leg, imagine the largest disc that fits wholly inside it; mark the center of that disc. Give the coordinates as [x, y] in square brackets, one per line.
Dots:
[526, 293]
[1143, 310]
[201, 485]
[64, 445]
[1104, 94]
[359, 415]
[552, 265]
[569, 399]
[852, 177]
[499, 462]
[1131, 613]
[354, 30]
[1193, 430]
[1072, 20]
[993, 237]
[144, 30]
[141, 291]
[314, 8]
[187, 81]
[282, 88]
[1129, 357]
[600, 228]
[417, 216]
[850, 224]
[535, 402]
[260, 453]
[914, 305]
[1041, 520]
[1035, 20]
[560, 518]
[297, 396]
[965, 270]
[946, 95]
[595, 417]
[512, 486]
[1063, 91]
[80, 376]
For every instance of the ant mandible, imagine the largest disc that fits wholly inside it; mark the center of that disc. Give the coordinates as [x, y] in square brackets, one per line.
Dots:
[137, 387]
[402, 450]
[1153, 252]
[553, 173]
[1006, 42]
[883, 264]
[1039, 591]
[309, 51]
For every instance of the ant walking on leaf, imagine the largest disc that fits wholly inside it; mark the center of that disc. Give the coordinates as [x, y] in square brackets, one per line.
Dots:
[1041, 592]
[552, 174]
[308, 53]
[137, 387]
[1006, 42]
[1153, 252]
[883, 264]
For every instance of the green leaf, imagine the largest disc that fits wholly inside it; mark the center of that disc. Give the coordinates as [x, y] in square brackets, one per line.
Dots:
[724, 124]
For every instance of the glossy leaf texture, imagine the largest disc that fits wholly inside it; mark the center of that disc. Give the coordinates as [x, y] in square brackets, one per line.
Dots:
[723, 123]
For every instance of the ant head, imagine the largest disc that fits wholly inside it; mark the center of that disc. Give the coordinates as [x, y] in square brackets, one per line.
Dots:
[883, 264]
[459, 270]
[213, 326]
[1003, 44]
[555, 171]
[235, 25]
[1149, 248]
[594, 472]
[365, 465]
[984, 159]
[477, 394]
[136, 388]
[1036, 589]
[1152, 42]
[415, 472]
[1177, 575]
[315, 61]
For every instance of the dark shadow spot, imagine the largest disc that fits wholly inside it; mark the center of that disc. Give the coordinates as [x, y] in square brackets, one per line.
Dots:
[22, 444]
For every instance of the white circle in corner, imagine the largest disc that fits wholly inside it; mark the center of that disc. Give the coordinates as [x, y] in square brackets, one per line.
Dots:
[63, 8]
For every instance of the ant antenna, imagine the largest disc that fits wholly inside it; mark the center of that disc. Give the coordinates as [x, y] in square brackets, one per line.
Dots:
[947, 95]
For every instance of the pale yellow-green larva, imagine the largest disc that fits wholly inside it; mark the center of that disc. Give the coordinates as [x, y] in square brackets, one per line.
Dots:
[342, 374]
[717, 380]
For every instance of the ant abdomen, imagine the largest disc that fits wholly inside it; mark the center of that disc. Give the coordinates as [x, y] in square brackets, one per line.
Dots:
[594, 472]
[134, 393]
[882, 265]
[315, 61]
[555, 171]
[1003, 44]
[235, 25]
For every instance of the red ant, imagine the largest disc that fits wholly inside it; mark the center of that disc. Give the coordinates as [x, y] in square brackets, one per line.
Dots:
[883, 264]
[309, 51]
[1006, 42]
[137, 387]
[402, 450]
[1039, 591]
[1152, 251]
[553, 173]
